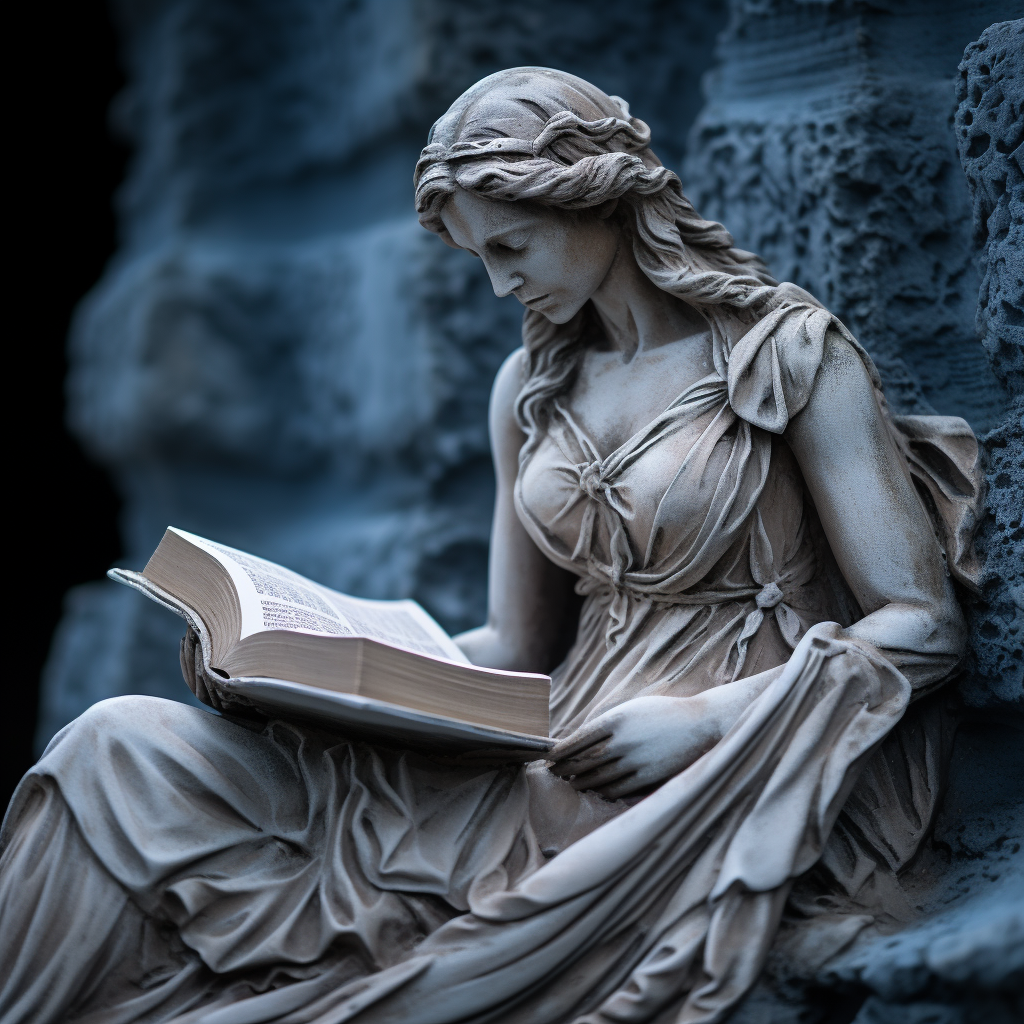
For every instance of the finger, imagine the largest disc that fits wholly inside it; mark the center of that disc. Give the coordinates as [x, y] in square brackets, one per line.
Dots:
[590, 758]
[567, 771]
[623, 786]
[187, 667]
[597, 778]
[585, 736]
[209, 694]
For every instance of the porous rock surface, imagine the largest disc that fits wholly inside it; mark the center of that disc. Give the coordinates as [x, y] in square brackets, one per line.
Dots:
[990, 138]
[825, 146]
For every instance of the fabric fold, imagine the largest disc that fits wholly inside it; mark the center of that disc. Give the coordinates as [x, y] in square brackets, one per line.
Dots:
[781, 773]
[773, 366]
[942, 453]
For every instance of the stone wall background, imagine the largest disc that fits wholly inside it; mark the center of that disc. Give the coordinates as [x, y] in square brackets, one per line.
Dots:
[280, 358]
[989, 135]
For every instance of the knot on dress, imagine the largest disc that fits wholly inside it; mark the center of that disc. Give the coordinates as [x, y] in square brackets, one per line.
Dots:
[591, 482]
[769, 596]
[776, 582]
[604, 505]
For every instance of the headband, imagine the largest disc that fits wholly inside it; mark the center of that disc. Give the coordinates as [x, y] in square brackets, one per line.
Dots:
[631, 136]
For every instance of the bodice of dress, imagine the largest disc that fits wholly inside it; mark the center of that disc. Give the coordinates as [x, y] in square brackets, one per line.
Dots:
[697, 548]
[678, 514]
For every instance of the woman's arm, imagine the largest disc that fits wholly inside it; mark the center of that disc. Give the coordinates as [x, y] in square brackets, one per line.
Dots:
[528, 597]
[877, 527]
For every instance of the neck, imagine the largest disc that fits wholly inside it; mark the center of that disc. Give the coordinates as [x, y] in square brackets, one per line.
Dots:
[636, 314]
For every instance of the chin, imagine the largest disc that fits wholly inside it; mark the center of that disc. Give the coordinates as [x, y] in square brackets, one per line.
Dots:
[558, 315]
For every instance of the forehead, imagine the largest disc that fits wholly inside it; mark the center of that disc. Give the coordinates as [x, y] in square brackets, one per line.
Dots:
[471, 219]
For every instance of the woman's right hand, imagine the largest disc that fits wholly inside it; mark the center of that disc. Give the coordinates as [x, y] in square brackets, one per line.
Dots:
[636, 745]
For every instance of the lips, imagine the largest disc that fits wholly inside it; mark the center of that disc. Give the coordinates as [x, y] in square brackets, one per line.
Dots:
[535, 299]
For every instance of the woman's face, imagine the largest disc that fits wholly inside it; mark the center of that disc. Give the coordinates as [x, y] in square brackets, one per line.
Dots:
[551, 260]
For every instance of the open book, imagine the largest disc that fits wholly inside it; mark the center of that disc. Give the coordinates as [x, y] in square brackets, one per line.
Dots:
[276, 641]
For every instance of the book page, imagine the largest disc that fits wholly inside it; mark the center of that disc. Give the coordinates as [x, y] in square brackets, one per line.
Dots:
[400, 623]
[273, 597]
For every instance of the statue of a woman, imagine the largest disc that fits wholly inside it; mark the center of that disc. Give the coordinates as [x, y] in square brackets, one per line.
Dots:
[764, 556]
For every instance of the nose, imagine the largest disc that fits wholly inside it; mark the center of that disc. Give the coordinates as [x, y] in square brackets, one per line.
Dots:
[504, 282]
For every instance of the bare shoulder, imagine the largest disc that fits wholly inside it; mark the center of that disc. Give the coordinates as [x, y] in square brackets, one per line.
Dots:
[842, 369]
[506, 436]
[508, 382]
[842, 402]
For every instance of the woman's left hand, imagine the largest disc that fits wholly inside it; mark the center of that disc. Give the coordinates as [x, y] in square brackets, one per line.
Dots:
[636, 745]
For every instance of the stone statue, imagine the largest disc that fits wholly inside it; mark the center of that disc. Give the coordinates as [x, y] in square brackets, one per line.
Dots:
[737, 565]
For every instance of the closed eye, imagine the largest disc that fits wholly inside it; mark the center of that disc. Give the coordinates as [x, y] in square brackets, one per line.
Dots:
[514, 241]
[504, 248]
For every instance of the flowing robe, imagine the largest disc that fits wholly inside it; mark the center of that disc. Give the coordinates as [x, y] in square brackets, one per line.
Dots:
[163, 864]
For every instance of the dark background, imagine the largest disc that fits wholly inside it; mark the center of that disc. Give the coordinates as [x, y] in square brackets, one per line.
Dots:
[68, 166]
